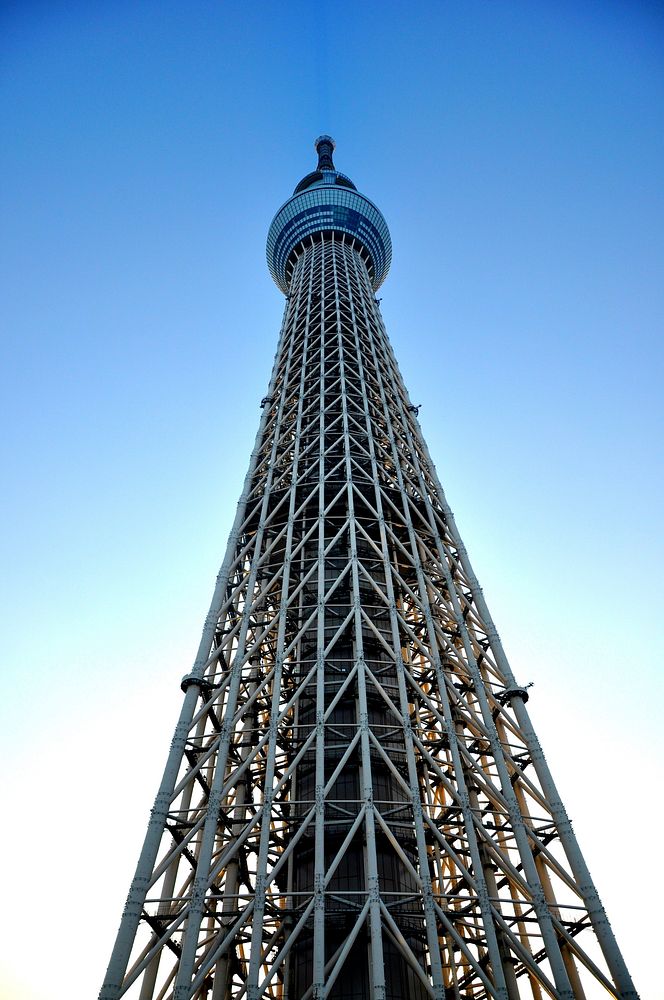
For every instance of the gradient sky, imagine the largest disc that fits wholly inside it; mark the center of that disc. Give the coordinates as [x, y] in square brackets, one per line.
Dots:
[516, 151]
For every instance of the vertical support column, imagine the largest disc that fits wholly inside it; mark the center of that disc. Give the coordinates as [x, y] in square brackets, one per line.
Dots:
[112, 986]
[483, 894]
[318, 974]
[596, 912]
[190, 943]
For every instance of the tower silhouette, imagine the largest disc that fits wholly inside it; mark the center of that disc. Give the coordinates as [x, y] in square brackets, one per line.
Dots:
[355, 803]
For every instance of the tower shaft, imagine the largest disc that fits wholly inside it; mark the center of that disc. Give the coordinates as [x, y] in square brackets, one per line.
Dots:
[355, 804]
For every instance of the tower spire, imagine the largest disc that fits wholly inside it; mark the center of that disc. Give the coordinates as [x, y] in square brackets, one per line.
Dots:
[325, 146]
[355, 805]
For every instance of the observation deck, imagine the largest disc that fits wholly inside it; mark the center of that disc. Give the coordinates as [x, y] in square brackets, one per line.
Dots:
[327, 201]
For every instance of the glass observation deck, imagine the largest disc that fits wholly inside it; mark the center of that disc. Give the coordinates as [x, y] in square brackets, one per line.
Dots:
[327, 201]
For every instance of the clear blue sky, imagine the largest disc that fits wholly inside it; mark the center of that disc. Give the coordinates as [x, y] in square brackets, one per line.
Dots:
[516, 151]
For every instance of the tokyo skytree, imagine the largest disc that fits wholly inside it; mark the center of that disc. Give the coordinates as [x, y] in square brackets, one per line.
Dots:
[355, 803]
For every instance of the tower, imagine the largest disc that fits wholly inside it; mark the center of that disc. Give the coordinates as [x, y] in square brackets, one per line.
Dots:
[354, 803]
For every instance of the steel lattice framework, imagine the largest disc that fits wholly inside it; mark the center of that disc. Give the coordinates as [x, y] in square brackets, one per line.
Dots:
[355, 803]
